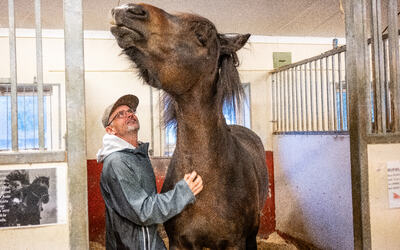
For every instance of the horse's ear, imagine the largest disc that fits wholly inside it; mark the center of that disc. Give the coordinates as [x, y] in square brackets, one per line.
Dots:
[231, 43]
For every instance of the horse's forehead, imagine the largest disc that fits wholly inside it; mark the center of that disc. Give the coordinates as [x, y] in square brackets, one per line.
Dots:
[193, 18]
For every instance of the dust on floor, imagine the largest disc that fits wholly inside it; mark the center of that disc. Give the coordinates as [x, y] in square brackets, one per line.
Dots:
[274, 242]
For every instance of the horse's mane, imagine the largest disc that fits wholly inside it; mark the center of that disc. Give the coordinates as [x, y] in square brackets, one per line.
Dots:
[227, 88]
[41, 179]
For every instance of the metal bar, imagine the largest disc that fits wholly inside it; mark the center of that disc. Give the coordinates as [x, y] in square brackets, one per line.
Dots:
[277, 100]
[285, 99]
[59, 118]
[377, 62]
[287, 75]
[306, 96]
[316, 95]
[7, 106]
[313, 133]
[383, 139]
[311, 100]
[347, 98]
[394, 65]
[301, 98]
[280, 85]
[39, 72]
[334, 94]
[32, 157]
[13, 76]
[160, 123]
[328, 103]
[297, 99]
[289, 128]
[274, 102]
[381, 69]
[24, 112]
[386, 82]
[287, 84]
[76, 136]
[51, 146]
[291, 104]
[323, 127]
[294, 120]
[34, 107]
[357, 77]
[341, 124]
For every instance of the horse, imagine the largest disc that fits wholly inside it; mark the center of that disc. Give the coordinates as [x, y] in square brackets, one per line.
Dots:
[195, 66]
[24, 205]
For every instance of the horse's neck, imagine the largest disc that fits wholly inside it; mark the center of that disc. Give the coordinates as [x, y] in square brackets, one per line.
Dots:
[200, 129]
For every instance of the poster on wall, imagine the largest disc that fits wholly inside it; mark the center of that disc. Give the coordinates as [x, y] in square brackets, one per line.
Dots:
[393, 174]
[28, 197]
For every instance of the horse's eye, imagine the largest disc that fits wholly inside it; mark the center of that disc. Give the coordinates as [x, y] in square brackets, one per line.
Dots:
[202, 39]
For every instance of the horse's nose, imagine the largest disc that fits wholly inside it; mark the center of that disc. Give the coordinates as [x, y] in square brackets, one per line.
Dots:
[136, 11]
[130, 10]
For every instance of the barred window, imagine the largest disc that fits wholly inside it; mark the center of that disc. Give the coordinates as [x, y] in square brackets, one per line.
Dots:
[28, 118]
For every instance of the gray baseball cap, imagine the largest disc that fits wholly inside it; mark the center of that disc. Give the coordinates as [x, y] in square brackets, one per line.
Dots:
[129, 100]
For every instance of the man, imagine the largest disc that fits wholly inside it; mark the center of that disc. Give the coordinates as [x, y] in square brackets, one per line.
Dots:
[13, 196]
[133, 207]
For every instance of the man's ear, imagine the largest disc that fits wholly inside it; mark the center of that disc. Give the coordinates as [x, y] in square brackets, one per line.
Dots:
[110, 130]
[232, 43]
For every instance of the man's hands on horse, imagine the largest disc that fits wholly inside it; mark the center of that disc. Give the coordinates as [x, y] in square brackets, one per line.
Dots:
[195, 182]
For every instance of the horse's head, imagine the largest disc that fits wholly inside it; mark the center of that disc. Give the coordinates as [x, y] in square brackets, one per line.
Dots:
[174, 52]
[38, 191]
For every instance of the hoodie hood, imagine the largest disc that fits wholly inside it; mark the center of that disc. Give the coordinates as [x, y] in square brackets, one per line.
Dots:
[111, 144]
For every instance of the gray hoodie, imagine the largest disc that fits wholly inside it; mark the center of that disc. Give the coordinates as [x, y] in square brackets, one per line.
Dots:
[133, 207]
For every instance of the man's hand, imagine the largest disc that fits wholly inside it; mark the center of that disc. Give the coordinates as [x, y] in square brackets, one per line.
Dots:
[195, 182]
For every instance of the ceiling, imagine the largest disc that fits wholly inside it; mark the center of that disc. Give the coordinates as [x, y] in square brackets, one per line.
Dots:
[322, 18]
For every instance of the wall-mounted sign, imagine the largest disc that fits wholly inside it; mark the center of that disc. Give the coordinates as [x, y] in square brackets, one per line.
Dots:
[28, 197]
[393, 175]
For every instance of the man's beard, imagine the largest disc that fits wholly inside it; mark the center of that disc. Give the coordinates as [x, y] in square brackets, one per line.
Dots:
[133, 128]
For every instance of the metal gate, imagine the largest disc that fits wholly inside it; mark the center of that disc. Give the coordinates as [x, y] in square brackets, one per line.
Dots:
[373, 77]
[73, 149]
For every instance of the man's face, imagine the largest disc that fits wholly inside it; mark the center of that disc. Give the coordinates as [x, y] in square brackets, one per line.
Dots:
[15, 185]
[123, 122]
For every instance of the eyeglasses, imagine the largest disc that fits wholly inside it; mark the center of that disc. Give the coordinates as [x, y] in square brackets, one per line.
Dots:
[122, 114]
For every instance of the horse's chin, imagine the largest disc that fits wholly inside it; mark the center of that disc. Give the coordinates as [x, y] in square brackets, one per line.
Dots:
[150, 78]
[139, 59]
[126, 37]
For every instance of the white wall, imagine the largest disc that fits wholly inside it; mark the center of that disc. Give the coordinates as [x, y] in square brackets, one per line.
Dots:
[385, 221]
[313, 189]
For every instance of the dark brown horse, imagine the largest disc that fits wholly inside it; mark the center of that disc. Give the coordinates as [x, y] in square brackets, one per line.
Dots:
[24, 205]
[185, 56]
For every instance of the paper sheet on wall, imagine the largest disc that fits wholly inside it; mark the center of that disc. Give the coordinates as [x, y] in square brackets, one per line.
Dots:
[393, 175]
[32, 196]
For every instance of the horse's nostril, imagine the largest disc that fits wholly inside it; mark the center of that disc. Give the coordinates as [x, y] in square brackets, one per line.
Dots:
[112, 12]
[137, 11]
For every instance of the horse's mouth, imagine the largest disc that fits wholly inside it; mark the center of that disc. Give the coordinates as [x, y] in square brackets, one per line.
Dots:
[126, 36]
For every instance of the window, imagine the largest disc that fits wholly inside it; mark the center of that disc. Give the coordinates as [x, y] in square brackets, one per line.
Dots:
[238, 115]
[28, 118]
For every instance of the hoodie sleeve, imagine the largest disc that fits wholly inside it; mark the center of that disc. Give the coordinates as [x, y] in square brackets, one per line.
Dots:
[131, 201]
